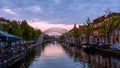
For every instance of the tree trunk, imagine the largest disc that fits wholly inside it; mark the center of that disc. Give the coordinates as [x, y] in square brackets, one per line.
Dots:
[88, 41]
[118, 34]
[108, 39]
[114, 38]
[105, 39]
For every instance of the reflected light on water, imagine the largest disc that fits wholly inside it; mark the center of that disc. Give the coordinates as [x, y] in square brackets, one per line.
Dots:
[54, 56]
[53, 50]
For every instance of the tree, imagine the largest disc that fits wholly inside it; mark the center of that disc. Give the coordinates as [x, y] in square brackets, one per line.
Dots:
[108, 26]
[16, 29]
[88, 29]
[28, 32]
[21, 29]
[62, 37]
[75, 32]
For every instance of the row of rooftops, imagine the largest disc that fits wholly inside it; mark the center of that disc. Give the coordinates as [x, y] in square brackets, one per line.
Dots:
[3, 19]
[100, 19]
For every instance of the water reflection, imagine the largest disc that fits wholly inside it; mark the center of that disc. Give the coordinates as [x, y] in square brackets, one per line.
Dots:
[54, 55]
[96, 60]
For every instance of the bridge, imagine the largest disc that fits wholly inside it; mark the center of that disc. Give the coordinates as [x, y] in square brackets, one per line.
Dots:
[56, 33]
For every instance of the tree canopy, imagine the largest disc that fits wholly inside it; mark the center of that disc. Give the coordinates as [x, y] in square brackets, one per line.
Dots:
[21, 29]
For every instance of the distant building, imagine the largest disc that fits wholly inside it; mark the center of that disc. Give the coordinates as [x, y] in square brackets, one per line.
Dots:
[83, 36]
[2, 20]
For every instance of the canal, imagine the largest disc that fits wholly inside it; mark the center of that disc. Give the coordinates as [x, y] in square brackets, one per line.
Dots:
[55, 55]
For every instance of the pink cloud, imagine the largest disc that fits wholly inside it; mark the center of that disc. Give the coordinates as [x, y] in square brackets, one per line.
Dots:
[45, 25]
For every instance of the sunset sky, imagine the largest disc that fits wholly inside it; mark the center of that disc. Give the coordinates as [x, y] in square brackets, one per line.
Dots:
[44, 14]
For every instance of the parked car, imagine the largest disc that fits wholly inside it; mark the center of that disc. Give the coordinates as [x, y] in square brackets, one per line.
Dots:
[102, 45]
[85, 46]
[116, 47]
[93, 44]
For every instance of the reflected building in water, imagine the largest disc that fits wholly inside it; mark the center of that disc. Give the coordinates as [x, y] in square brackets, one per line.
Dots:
[94, 60]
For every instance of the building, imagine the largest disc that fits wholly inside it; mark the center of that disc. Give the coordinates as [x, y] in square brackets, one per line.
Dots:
[7, 39]
[96, 26]
[97, 35]
[82, 37]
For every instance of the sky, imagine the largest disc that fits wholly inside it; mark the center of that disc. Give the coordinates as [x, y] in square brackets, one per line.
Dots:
[44, 14]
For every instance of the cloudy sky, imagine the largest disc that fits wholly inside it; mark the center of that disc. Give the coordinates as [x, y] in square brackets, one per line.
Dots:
[56, 13]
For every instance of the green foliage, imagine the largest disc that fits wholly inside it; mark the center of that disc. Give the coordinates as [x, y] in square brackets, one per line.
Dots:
[21, 29]
[46, 37]
[107, 26]
[62, 37]
[75, 32]
[88, 29]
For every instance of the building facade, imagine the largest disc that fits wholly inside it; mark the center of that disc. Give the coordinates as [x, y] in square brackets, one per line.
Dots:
[97, 35]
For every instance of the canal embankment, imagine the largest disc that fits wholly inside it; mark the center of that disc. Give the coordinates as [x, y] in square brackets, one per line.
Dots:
[8, 60]
[106, 51]
[55, 55]
[109, 52]
[97, 58]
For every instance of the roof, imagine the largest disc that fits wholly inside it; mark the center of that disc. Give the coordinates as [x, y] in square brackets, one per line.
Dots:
[113, 14]
[81, 26]
[99, 19]
[10, 37]
[2, 19]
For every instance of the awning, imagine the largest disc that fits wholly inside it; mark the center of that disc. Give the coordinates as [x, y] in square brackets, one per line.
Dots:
[8, 37]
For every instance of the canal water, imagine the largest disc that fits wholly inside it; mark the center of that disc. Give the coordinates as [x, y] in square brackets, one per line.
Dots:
[55, 55]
